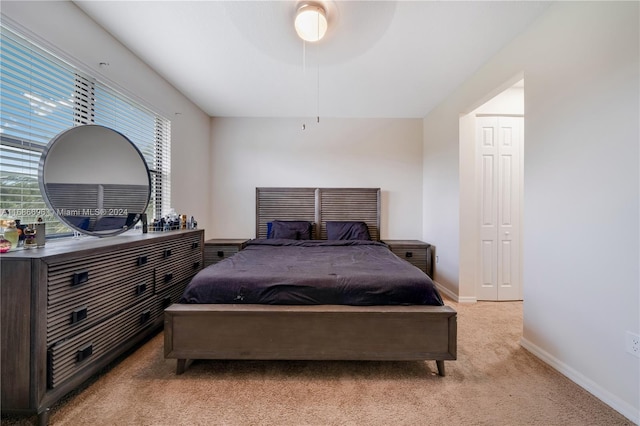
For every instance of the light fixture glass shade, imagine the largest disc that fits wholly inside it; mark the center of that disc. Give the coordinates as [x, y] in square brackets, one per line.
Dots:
[311, 22]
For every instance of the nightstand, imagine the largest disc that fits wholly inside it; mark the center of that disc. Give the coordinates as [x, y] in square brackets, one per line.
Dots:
[219, 248]
[418, 253]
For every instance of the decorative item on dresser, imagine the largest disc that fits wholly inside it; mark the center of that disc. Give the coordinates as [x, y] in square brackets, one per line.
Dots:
[82, 185]
[218, 249]
[416, 252]
[70, 308]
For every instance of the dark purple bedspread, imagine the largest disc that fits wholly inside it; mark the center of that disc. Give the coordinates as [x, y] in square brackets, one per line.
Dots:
[313, 272]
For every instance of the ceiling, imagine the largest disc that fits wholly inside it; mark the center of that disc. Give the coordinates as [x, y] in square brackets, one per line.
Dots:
[378, 59]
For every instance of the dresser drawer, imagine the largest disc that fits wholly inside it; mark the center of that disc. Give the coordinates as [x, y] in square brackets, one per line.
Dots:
[78, 278]
[174, 251]
[415, 256]
[415, 252]
[67, 357]
[181, 268]
[176, 260]
[169, 252]
[216, 250]
[76, 313]
[172, 295]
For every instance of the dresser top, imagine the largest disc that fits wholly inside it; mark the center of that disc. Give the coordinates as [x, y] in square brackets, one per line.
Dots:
[65, 246]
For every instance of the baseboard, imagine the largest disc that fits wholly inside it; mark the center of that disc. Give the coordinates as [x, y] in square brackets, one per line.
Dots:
[587, 384]
[442, 289]
[451, 295]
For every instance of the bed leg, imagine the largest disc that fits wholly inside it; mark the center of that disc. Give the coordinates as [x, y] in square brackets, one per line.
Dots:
[440, 364]
[181, 366]
[43, 417]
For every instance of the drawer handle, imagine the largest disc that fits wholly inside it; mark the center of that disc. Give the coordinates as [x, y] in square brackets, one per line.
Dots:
[84, 352]
[168, 277]
[141, 288]
[166, 302]
[220, 253]
[196, 265]
[408, 254]
[78, 315]
[142, 260]
[80, 277]
[195, 245]
[167, 253]
[145, 316]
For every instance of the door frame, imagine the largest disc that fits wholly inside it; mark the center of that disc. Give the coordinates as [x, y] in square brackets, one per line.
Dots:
[469, 231]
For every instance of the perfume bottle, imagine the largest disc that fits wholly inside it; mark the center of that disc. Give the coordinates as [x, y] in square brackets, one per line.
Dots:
[41, 233]
[5, 245]
[11, 233]
[30, 238]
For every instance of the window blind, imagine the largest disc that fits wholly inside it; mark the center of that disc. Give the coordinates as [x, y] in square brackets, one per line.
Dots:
[148, 131]
[41, 96]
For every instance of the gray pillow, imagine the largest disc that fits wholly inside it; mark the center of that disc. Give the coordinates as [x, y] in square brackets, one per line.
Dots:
[291, 229]
[347, 230]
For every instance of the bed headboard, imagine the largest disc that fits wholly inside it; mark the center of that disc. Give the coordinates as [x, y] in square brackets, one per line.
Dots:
[318, 205]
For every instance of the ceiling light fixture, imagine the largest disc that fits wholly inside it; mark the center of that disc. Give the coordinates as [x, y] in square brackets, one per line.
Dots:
[311, 22]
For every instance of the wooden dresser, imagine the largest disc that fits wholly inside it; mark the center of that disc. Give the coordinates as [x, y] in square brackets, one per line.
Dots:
[73, 306]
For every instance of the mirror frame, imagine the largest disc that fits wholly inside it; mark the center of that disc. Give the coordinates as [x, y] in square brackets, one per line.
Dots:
[131, 220]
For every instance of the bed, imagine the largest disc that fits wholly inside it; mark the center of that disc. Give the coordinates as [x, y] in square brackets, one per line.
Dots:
[291, 312]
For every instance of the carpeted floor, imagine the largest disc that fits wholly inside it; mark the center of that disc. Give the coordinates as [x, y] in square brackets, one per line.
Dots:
[493, 382]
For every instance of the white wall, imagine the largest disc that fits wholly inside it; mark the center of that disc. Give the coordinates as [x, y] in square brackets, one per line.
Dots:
[261, 152]
[75, 37]
[441, 205]
[581, 190]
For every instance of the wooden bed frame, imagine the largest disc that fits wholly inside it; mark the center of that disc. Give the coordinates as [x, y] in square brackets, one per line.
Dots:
[324, 332]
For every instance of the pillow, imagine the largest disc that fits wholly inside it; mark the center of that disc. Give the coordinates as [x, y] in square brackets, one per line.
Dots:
[81, 222]
[109, 223]
[290, 229]
[347, 231]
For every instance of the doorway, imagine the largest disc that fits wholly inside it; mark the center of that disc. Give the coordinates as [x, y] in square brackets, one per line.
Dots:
[499, 148]
[478, 280]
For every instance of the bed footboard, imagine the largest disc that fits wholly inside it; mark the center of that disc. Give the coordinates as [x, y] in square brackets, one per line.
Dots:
[325, 332]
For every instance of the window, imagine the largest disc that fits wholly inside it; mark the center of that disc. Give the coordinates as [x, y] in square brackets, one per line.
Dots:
[42, 96]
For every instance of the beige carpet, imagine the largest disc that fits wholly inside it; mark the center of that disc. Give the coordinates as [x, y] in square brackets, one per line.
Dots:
[493, 382]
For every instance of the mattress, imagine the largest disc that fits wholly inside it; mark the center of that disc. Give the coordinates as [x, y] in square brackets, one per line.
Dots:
[313, 272]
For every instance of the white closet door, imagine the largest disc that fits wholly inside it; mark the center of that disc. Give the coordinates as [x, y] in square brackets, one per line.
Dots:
[499, 148]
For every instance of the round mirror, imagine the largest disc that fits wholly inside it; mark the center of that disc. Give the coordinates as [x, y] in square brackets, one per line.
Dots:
[95, 180]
